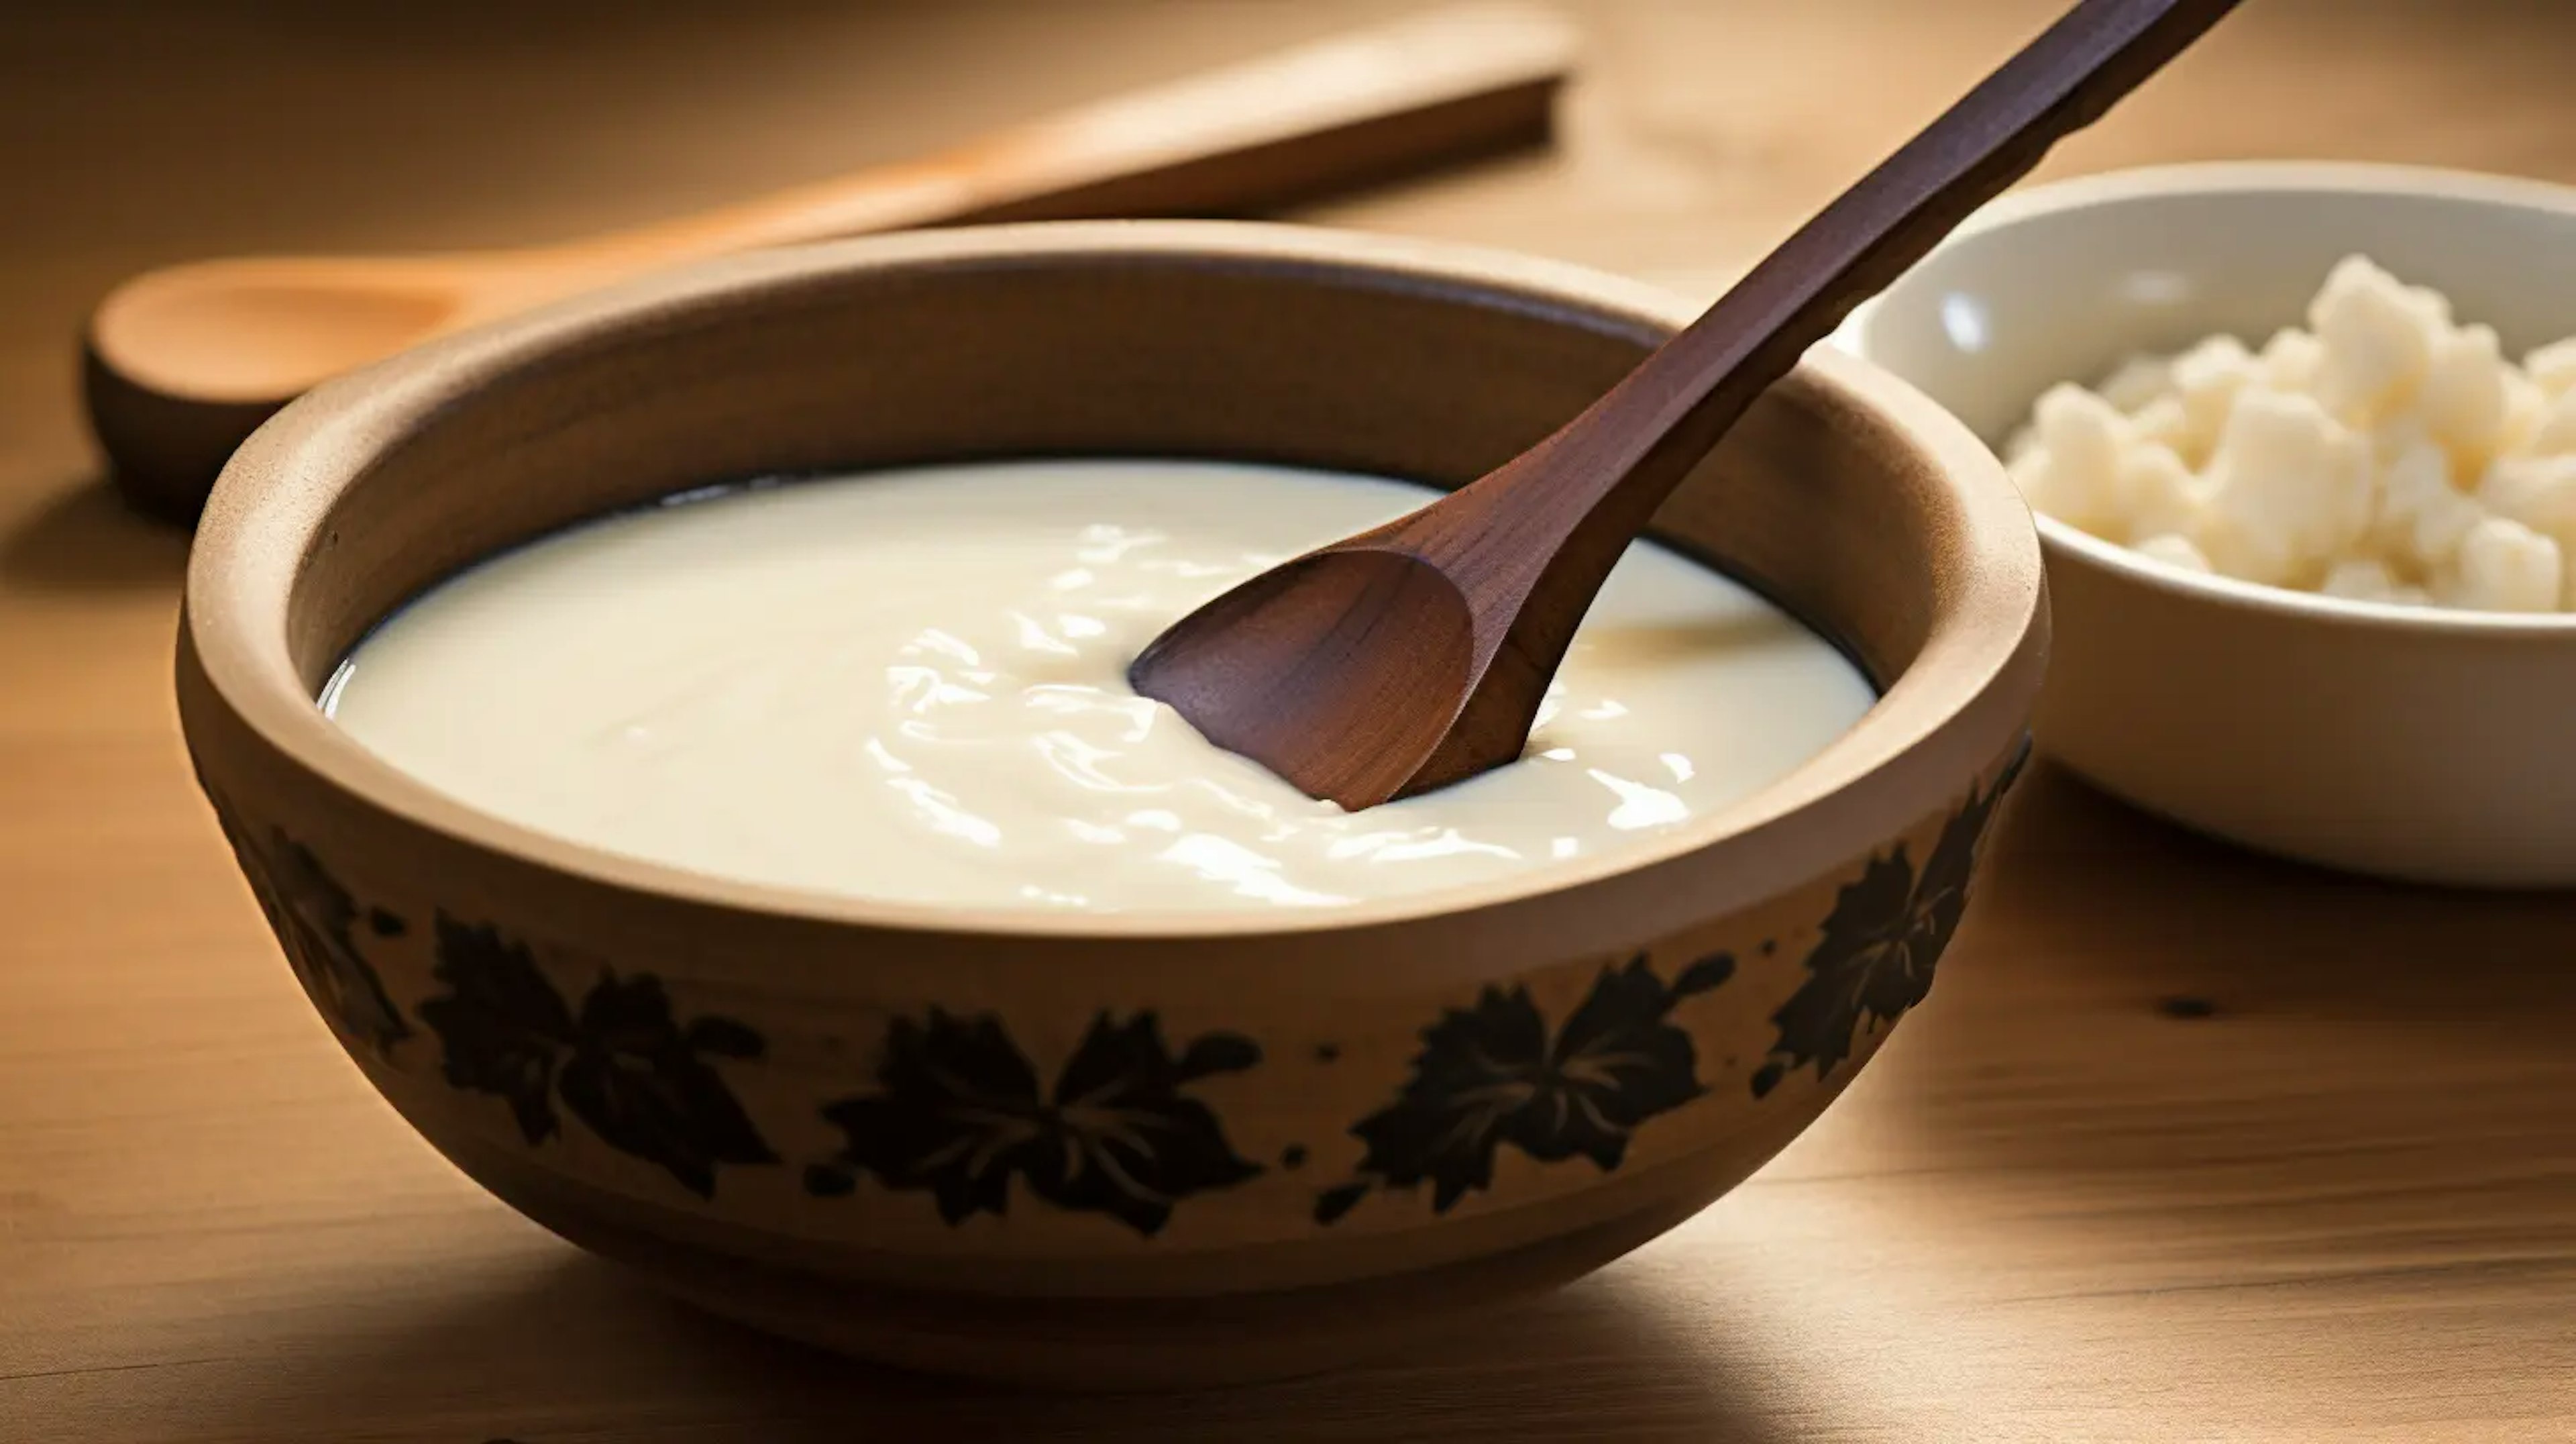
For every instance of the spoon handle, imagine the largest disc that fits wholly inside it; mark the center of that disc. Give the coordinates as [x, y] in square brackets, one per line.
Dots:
[1371, 105]
[1417, 654]
[1604, 473]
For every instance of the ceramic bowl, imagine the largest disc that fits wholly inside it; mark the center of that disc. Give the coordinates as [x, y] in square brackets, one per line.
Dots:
[2404, 742]
[1305, 1137]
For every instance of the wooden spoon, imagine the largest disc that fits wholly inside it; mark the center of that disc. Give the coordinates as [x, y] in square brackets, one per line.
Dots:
[1414, 655]
[182, 364]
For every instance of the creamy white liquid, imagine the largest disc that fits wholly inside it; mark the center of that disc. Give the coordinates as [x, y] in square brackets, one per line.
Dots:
[911, 686]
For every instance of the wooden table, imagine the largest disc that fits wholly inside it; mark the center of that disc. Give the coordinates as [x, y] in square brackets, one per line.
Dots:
[2187, 1146]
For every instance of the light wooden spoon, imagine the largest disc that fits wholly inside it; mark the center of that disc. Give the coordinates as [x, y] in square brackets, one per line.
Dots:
[182, 364]
[1414, 655]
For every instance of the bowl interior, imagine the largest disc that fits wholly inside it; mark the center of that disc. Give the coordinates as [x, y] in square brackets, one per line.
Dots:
[2064, 282]
[1846, 497]
[1106, 354]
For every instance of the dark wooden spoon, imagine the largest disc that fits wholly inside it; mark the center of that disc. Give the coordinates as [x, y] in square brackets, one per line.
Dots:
[1415, 655]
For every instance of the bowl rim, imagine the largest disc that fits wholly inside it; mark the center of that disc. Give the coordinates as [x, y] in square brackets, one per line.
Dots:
[2257, 177]
[280, 488]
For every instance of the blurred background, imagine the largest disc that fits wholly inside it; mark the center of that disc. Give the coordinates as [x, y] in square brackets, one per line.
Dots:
[135, 134]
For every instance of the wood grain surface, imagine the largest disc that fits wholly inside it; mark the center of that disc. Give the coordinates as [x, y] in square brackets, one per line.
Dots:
[2187, 1146]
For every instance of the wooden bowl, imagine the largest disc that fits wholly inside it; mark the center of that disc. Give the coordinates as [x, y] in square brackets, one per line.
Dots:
[1121, 1150]
[2406, 742]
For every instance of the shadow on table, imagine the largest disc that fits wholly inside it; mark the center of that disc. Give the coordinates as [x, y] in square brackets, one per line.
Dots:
[2110, 900]
[2147, 1024]
[85, 539]
[579, 1350]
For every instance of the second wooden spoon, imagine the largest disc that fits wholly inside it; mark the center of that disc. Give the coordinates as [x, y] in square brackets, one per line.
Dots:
[1415, 655]
[182, 364]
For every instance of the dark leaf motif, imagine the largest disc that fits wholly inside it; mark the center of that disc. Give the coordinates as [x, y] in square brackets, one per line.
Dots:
[501, 1026]
[2013, 768]
[624, 1065]
[1881, 943]
[725, 1038]
[314, 918]
[1705, 974]
[1340, 1199]
[960, 1113]
[957, 1114]
[1478, 1070]
[641, 1086]
[1489, 1074]
[1216, 1053]
[828, 1180]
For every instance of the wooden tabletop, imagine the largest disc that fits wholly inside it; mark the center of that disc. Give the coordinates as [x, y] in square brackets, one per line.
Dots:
[2187, 1146]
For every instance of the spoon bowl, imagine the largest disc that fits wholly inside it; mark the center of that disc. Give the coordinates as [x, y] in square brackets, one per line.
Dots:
[1299, 628]
[266, 329]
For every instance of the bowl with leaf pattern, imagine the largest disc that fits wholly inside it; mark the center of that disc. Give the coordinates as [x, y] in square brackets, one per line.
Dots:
[1103, 1150]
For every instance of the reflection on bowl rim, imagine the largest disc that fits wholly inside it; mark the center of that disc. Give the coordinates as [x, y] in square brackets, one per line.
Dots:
[262, 501]
[2239, 177]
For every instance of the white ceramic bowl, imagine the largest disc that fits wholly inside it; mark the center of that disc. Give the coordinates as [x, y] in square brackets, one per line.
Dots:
[2410, 743]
